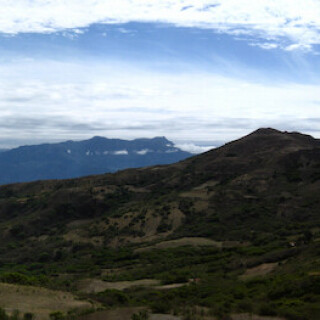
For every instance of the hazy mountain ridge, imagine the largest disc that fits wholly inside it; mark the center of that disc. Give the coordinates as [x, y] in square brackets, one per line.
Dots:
[79, 158]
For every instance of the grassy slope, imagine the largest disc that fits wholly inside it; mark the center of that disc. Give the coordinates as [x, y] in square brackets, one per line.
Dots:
[39, 301]
[259, 195]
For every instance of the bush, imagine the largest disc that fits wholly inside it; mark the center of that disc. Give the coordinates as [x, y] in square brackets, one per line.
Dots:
[113, 297]
[3, 315]
[56, 315]
[161, 306]
[142, 315]
[267, 309]
[16, 278]
[22, 279]
[28, 316]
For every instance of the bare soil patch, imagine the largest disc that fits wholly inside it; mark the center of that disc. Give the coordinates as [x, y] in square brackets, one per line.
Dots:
[196, 194]
[79, 223]
[163, 317]
[96, 285]
[124, 314]
[207, 184]
[171, 286]
[74, 235]
[246, 316]
[197, 242]
[39, 301]
[260, 270]
[115, 314]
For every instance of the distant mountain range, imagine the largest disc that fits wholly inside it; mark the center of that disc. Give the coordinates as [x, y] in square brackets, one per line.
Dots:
[72, 159]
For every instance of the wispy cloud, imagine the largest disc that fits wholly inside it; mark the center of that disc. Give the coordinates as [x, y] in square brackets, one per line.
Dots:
[193, 148]
[265, 45]
[292, 25]
[133, 102]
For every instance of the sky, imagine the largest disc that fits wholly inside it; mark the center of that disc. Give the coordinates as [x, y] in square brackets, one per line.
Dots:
[200, 72]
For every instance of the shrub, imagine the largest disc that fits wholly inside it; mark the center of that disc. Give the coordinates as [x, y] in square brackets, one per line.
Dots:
[142, 315]
[113, 297]
[3, 315]
[16, 278]
[56, 315]
[28, 316]
[267, 309]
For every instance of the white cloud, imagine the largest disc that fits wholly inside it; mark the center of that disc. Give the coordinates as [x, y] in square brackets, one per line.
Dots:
[298, 46]
[171, 151]
[143, 152]
[193, 148]
[265, 45]
[120, 153]
[121, 101]
[296, 21]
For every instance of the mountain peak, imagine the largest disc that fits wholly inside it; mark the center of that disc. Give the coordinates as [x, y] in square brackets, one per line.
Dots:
[98, 138]
[277, 135]
[162, 139]
[269, 142]
[266, 131]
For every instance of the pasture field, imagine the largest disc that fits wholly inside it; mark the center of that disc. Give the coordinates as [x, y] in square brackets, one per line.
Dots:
[39, 301]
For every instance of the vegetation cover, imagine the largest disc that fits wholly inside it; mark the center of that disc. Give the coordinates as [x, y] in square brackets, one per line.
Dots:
[232, 231]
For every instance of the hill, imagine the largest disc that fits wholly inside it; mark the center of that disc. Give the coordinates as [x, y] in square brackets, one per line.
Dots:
[233, 230]
[72, 159]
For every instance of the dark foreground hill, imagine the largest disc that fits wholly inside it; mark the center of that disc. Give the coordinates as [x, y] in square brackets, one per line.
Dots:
[73, 159]
[234, 230]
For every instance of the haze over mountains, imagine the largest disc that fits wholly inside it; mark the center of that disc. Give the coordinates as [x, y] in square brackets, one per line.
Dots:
[79, 158]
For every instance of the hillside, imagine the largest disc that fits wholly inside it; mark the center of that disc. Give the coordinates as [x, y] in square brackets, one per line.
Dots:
[73, 159]
[233, 230]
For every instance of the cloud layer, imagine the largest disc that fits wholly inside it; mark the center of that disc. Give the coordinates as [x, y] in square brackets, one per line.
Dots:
[131, 102]
[193, 148]
[287, 24]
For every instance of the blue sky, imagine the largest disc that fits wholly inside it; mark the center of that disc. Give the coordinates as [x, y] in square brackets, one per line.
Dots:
[197, 72]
